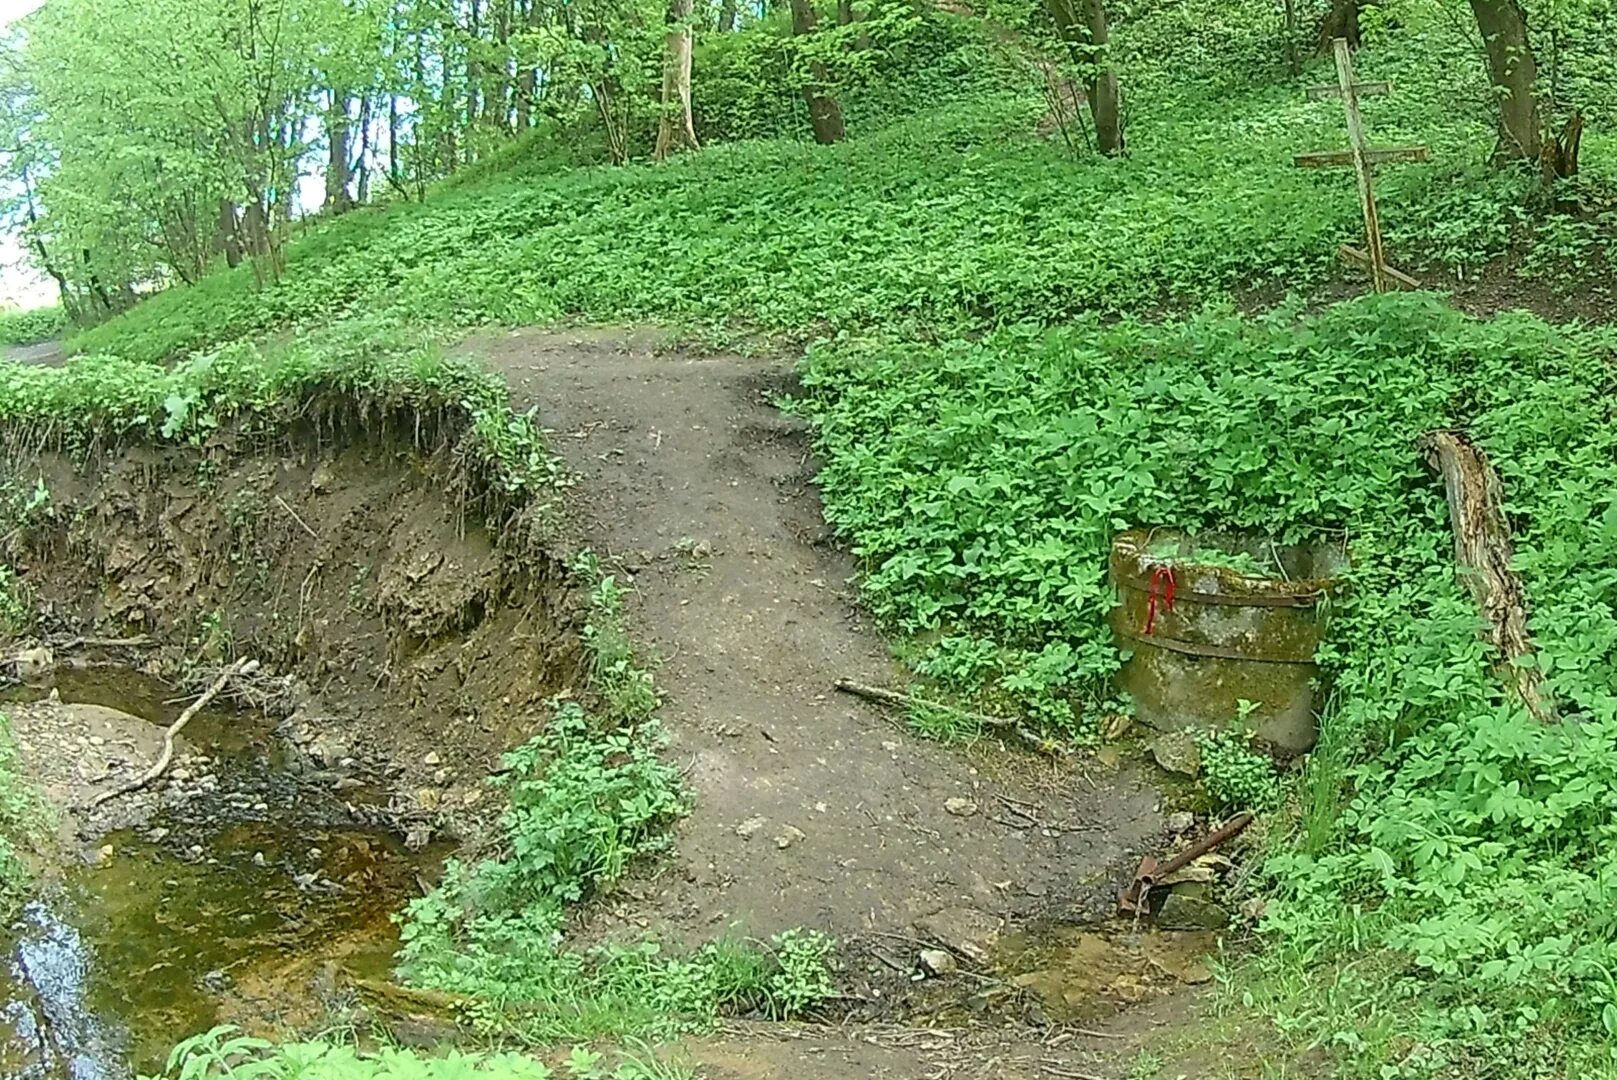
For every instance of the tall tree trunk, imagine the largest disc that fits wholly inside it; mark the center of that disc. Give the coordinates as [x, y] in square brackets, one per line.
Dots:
[1513, 72]
[527, 76]
[677, 128]
[474, 69]
[339, 172]
[1082, 25]
[395, 169]
[825, 115]
[497, 94]
[363, 155]
[727, 16]
[1341, 21]
[1105, 97]
[229, 233]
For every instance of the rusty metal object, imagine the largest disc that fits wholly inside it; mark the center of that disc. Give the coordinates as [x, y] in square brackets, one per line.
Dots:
[1135, 898]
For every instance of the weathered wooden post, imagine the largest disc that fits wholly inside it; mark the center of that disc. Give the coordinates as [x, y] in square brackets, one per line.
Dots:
[1362, 157]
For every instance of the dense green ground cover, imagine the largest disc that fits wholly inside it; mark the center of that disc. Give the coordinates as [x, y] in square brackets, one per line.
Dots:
[29, 327]
[1439, 828]
[944, 222]
[993, 401]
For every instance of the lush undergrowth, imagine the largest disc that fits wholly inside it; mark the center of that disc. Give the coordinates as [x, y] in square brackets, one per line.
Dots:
[30, 327]
[586, 797]
[226, 1053]
[949, 221]
[1441, 831]
[369, 370]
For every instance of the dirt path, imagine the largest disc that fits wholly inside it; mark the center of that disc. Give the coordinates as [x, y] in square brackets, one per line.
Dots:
[813, 809]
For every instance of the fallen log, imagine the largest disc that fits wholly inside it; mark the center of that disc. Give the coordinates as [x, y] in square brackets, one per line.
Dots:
[1482, 548]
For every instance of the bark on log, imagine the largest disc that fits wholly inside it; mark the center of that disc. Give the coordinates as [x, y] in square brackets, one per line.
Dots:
[1483, 551]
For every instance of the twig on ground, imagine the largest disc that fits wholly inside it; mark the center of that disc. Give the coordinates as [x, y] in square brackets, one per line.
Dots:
[240, 667]
[1070, 1074]
[884, 696]
[284, 505]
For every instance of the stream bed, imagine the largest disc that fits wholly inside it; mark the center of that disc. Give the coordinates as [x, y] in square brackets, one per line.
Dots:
[250, 889]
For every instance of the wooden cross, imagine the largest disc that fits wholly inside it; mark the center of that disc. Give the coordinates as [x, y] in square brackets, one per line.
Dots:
[1361, 157]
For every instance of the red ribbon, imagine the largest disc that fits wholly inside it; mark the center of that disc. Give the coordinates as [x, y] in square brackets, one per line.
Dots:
[1162, 585]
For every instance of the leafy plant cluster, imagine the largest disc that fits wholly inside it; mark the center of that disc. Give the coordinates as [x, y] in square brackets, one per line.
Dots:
[368, 369]
[32, 326]
[20, 817]
[1235, 775]
[224, 1053]
[587, 796]
[1447, 835]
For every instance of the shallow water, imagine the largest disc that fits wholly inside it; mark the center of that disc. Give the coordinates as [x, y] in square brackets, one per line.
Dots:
[254, 913]
[1087, 972]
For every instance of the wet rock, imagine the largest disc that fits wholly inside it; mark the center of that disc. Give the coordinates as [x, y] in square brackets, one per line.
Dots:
[1176, 752]
[966, 931]
[1181, 822]
[938, 961]
[37, 666]
[960, 807]
[327, 749]
[1183, 911]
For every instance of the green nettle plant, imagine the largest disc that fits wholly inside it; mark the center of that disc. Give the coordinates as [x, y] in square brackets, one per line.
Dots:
[1234, 775]
[980, 483]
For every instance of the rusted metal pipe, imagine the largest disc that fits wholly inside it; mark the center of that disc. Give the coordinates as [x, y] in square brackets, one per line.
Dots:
[1135, 897]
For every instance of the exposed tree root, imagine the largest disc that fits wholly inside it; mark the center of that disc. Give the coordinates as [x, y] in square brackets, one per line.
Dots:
[240, 667]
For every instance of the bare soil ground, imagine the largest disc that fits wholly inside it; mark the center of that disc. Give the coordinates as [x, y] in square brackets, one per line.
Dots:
[349, 571]
[813, 809]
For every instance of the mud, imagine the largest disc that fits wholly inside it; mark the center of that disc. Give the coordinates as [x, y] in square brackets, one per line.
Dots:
[403, 646]
[396, 633]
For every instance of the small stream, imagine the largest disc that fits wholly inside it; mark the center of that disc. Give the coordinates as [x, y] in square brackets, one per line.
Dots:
[253, 900]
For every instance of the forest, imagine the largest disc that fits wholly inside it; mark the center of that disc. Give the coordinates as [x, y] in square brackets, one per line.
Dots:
[541, 422]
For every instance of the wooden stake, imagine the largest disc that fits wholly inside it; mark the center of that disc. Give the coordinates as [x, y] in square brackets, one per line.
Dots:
[1362, 157]
[1361, 165]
